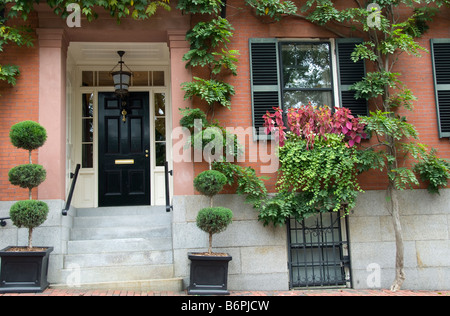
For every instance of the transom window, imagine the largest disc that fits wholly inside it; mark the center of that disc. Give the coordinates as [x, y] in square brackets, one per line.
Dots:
[139, 79]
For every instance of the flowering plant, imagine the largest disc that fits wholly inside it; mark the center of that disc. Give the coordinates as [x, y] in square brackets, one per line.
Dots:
[309, 122]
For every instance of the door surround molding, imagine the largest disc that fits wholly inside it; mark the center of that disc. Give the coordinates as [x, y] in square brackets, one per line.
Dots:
[86, 193]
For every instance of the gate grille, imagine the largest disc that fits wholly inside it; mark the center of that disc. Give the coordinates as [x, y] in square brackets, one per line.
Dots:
[319, 251]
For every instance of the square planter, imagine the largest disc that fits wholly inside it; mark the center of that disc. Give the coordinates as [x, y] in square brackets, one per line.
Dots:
[24, 271]
[209, 274]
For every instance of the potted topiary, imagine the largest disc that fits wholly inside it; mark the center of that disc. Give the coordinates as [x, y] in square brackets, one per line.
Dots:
[24, 269]
[209, 270]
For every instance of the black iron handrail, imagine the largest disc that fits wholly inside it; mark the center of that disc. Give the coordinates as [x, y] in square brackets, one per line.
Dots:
[169, 207]
[74, 177]
[3, 221]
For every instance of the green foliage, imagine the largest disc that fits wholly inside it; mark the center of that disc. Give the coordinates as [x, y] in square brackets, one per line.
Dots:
[29, 213]
[208, 48]
[200, 6]
[28, 135]
[313, 180]
[190, 116]
[386, 124]
[205, 39]
[27, 176]
[211, 91]
[248, 183]
[18, 35]
[210, 34]
[9, 73]
[434, 171]
[272, 8]
[214, 220]
[137, 9]
[327, 171]
[210, 182]
[214, 141]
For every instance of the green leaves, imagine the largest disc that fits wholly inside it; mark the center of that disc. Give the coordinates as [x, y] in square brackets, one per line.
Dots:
[320, 179]
[29, 213]
[27, 176]
[214, 220]
[211, 91]
[272, 8]
[434, 171]
[9, 73]
[387, 124]
[248, 183]
[208, 42]
[200, 6]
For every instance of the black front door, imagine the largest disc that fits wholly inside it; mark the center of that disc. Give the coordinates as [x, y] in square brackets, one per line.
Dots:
[124, 149]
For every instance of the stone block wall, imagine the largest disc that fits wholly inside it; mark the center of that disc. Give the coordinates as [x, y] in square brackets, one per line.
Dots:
[259, 253]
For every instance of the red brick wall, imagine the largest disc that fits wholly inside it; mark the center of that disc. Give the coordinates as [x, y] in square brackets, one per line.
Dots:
[17, 103]
[417, 74]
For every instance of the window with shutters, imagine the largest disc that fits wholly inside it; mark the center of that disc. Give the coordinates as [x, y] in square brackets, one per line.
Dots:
[440, 51]
[291, 74]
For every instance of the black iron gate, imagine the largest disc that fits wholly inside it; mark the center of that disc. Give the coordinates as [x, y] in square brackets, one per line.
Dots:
[319, 253]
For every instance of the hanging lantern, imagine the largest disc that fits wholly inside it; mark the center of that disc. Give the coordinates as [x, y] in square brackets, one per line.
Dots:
[121, 78]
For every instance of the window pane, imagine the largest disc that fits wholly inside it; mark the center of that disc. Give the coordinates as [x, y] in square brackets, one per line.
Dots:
[160, 104]
[160, 129]
[87, 79]
[140, 78]
[88, 130]
[87, 156]
[158, 78]
[306, 66]
[160, 149]
[105, 79]
[295, 99]
[88, 105]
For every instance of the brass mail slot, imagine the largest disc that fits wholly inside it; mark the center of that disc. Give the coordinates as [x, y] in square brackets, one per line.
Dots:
[124, 162]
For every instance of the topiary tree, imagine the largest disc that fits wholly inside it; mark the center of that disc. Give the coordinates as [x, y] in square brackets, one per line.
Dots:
[212, 220]
[28, 135]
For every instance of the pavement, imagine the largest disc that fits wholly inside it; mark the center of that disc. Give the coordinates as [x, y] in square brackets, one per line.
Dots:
[318, 292]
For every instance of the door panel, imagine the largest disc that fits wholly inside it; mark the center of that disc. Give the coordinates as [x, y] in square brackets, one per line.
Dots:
[124, 146]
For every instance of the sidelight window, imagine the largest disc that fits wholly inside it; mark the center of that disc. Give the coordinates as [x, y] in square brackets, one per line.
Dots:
[87, 141]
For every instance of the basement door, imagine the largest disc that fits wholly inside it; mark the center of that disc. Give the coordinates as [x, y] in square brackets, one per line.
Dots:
[124, 149]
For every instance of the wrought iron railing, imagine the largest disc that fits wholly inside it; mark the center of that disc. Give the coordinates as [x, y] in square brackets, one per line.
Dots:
[168, 172]
[3, 221]
[74, 177]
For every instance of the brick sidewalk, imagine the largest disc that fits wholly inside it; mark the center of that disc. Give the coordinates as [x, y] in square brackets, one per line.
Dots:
[329, 292]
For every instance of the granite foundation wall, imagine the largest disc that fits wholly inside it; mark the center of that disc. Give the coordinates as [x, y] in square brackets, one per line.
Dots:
[260, 254]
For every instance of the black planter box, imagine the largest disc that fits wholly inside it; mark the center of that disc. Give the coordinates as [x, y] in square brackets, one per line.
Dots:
[25, 271]
[209, 275]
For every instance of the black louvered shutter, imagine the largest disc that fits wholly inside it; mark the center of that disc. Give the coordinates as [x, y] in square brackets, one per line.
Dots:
[440, 49]
[350, 73]
[264, 81]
